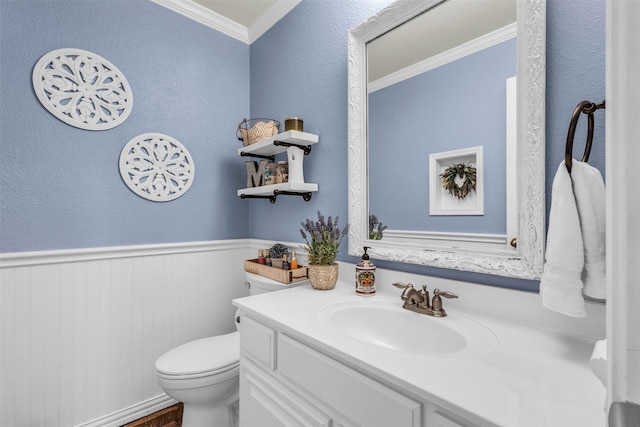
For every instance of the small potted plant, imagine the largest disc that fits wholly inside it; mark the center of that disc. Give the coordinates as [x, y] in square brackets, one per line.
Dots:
[322, 242]
[277, 253]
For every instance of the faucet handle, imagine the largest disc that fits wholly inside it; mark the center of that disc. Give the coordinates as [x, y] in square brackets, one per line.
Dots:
[446, 294]
[402, 285]
[436, 304]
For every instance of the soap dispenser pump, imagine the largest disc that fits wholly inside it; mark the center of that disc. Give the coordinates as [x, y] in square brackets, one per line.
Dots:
[365, 275]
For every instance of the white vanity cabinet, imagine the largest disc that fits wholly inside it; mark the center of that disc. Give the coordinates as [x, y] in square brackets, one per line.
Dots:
[268, 403]
[286, 382]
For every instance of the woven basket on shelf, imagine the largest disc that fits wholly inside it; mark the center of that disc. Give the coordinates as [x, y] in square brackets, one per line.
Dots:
[251, 131]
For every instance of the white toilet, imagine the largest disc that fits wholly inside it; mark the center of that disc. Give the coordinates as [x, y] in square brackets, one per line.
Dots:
[203, 374]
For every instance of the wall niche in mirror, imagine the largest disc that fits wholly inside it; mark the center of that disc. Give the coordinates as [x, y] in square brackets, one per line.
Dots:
[454, 76]
[456, 184]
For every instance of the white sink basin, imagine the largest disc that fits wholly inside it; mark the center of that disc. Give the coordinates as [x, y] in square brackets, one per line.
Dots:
[383, 323]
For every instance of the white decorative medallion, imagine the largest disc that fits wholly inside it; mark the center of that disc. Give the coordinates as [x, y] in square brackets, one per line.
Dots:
[156, 167]
[82, 89]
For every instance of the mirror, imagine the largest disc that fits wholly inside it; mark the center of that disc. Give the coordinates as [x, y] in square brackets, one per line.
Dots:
[398, 154]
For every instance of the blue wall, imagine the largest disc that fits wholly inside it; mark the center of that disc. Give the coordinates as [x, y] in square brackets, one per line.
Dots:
[575, 72]
[300, 68]
[60, 186]
[459, 105]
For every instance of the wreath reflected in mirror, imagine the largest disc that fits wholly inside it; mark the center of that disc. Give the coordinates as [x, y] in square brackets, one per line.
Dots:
[467, 174]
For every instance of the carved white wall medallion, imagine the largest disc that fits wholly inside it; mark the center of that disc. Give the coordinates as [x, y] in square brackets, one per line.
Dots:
[82, 89]
[156, 167]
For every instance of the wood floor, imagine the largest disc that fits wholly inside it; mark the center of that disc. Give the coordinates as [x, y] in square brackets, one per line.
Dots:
[169, 417]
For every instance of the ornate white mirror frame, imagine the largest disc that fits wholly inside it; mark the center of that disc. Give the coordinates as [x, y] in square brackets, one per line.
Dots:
[527, 260]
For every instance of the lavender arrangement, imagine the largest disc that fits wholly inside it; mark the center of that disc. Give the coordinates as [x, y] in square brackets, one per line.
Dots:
[375, 228]
[322, 239]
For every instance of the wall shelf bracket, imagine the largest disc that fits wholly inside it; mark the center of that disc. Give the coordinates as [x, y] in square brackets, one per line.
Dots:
[305, 148]
[306, 196]
[261, 156]
[272, 198]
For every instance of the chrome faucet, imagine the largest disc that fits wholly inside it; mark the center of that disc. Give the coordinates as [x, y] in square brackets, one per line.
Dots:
[418, 301]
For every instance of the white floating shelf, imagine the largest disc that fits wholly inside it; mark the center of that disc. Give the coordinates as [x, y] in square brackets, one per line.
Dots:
[296, 144]
[268, 190]
[267, 148]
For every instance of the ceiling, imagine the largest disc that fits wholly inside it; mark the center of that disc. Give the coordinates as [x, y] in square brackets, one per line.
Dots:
[244, 12]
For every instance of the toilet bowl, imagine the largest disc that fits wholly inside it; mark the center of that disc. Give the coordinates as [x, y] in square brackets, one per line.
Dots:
[204, 374]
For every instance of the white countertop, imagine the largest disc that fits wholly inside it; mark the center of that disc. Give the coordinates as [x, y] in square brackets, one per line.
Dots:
[531, 377]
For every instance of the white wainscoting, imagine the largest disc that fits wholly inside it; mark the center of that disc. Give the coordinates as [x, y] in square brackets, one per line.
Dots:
[80, 330]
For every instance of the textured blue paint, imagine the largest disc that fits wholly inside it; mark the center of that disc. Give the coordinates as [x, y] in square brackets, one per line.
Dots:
[459, 105]
[60, 185]
[575, 72]
[300, 68]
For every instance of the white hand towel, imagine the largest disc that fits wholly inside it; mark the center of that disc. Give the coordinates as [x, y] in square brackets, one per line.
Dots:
[589, 191]
[561, 284]
[598, 361]
[575, 256]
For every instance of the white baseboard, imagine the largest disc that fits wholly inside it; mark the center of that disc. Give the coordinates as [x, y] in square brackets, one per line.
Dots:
[132, 413]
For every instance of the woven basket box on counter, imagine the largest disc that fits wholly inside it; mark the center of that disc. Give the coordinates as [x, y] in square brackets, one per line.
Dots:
[284, 276]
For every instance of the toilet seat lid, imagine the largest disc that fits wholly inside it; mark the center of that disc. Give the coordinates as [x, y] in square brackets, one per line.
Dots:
[206, 355]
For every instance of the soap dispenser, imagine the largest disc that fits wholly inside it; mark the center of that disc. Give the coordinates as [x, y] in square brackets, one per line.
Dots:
[365, 275]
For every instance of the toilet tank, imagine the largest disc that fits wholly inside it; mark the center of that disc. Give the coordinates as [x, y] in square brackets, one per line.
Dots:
[259, 284]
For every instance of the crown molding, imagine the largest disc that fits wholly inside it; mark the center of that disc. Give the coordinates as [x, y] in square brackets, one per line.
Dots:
[204, 16]
[269, 18]
[472, 46]
[211, 19]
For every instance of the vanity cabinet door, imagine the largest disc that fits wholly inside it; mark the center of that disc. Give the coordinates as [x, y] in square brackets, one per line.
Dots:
[257, 342]
[442, 419]
[350, 395]
[264, 402]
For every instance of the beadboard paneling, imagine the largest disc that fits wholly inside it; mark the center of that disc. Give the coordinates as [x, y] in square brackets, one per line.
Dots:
[80, 330]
